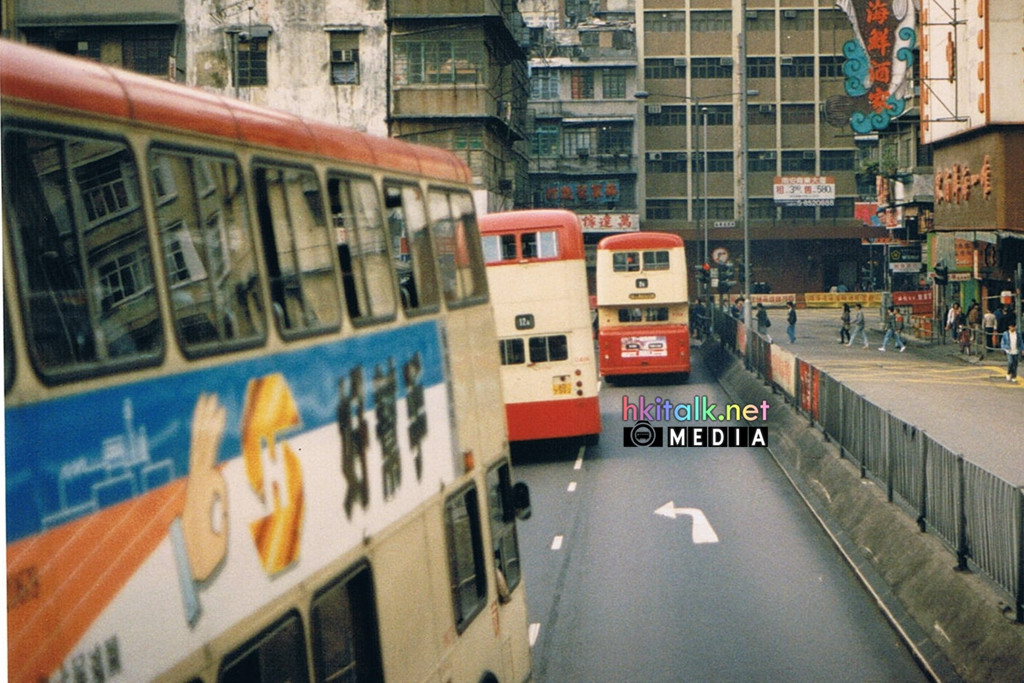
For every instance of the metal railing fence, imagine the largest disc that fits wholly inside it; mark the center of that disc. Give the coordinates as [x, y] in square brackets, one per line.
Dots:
[979, 515]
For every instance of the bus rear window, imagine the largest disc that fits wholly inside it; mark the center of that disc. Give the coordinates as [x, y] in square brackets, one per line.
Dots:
[81, 252]
[625, 262]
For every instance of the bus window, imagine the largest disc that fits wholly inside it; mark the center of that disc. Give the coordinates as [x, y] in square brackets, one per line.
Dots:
[410, 240]
[543, 244]
[499, 248]
[512, 352]
[543, 349]
[8, 351]
[208, 250]
[297, 249]
[503, 527]
[344, 624]
[85, 272]
[361, 242]
[458, 247]
[465, 556]
[656, 260]
[277, 655]
[625, 262]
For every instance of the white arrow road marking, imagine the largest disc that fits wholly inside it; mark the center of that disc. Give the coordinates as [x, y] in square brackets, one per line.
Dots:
[702, 531]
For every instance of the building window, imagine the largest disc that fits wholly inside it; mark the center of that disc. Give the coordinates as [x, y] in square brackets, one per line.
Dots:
[251, 64]
[545, 142]
[711, 67]
[718, 115]
[708, 22]
[614, 139]
[436, 62]
[544, 84]
[613, 84]
[837, 159]
[760, 67]
[720, 162]
[666, 162]
[761, 162]
[799, 20]
[664, 68]
[798, 161]
[666, 209]
[582, 84]
[666, 115]
[831, 66]
[665, 22]
[762, 209]
[797, 67]
[344, 57]
[718, 209]
[760, 20]
[147, 54]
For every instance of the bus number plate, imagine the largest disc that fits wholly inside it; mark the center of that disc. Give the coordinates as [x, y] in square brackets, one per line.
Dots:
[562, 386]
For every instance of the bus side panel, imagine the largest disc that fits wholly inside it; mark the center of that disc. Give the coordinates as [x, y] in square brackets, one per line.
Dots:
[553, 419]
[644, 350]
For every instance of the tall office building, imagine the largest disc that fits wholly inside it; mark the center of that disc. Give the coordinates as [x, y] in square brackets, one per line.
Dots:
[803, 234]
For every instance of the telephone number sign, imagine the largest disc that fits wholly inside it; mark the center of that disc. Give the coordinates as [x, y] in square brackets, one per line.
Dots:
[805, 190]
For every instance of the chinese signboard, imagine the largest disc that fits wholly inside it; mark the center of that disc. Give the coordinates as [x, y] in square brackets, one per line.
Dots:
[589, 193]
[878, 60]
[609, 222]
[805, 190]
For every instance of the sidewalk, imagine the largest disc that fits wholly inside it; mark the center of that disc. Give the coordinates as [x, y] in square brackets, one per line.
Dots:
[965, 404]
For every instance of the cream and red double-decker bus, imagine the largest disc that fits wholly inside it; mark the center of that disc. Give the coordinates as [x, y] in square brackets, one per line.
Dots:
[537, 277]
[253, 423]
[642, 305]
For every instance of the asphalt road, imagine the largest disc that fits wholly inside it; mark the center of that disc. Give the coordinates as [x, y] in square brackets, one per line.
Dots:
[684, 564]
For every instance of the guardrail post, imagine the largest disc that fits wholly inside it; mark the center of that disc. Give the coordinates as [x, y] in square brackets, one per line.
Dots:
[922, 508]
[961, 544]
[890, 461]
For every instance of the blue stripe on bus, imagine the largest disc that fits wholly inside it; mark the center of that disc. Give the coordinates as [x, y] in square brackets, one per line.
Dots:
[129, 439]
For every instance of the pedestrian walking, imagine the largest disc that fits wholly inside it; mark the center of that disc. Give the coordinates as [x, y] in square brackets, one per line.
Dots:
[1012, 343]
[844, 328]
[988, 321]
[791, 321]
[893, 328]
[953, 321]
[763, 322]
[858, 325]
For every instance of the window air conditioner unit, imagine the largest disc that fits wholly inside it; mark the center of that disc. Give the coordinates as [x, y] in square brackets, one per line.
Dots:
[789, 14]
[787, 60]
[654, 156]
[679, 61]
[751, 14]
[808, 155]
[725, 61]
[344, 55]
[767, 155]
[653, 108]
[765, 108]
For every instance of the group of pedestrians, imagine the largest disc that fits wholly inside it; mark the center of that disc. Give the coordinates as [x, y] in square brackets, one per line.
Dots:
[764, 322]
[851, 327]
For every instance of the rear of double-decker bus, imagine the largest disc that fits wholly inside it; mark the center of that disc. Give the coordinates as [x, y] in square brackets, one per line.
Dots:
[538, 284]
[250, 396]
[642, 306]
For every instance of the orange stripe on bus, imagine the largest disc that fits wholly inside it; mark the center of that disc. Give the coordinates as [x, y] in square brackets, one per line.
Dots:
[80, 568]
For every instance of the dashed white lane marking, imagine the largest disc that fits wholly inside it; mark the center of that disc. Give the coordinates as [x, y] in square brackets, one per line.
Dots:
[534, 632]
[556, 543]
[572, 487]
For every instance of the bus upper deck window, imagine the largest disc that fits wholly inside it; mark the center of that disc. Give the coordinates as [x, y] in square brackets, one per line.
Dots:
[297, 249]
[361, 241]
[656, 260]
[543, 244]
[625, 261]
[85, 271]
[453, 224]
[210, 258]
[414, 261]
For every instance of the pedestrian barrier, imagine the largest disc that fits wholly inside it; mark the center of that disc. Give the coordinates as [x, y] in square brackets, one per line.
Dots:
[978, 515]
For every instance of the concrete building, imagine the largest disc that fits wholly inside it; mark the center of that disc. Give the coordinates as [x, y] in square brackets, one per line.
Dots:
[693, 178]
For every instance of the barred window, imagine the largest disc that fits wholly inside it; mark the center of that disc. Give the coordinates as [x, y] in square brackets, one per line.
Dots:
[711, 67]
[251, 62]
[666, 209]
[436, 62]
[800, 161]
[344, 57]
[613, 84]
[544, 84]
[838, 160]
[802, 114]
[668, 115]
[831, 66]
[582, 84]
[707, 22]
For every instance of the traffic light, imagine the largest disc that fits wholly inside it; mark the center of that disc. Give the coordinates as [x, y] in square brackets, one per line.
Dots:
[705, 273]
[941, 275]
[726, 277]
